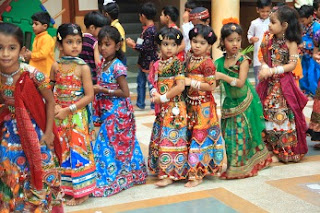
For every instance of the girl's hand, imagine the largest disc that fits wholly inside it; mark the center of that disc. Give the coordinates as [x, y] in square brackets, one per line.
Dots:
[264, 74]
[156, 98]
[97, 88]
[48, 139]
[130, 42]
[187, 81]
[57, 108]
[62, 113]
[316, 57]
[254, 39]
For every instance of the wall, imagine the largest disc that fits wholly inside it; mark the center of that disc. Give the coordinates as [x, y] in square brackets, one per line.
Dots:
[54, 7]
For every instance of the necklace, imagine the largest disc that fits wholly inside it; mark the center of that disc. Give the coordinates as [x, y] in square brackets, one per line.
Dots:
[196, 60]
[9, 81]
[106, 64]
[166, 62]
[231, 56]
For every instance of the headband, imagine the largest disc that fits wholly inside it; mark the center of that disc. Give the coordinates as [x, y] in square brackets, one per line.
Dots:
[201, 15]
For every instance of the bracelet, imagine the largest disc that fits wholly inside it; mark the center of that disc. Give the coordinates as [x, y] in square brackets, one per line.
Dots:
[110, 91]
[270, 71]
[233, 83]
[265, 66]
[73, 108]
[152, 91]
[279, 70]
[195, 84]
[163, 98]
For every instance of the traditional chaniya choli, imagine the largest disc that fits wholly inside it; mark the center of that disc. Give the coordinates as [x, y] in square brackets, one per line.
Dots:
[206, 146]
[283, 103]
[168, 149]
[29, 176]
[78, 176]
[242, 123]
[119, 160]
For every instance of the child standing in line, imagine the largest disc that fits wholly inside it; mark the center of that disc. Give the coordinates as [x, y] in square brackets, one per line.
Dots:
[206, 149]
[316, 8]
[73, 91]
[256, 31]
[168, 151]
[281, 99]
[314, 125]
[90, 53]
[29, 175]
[147, 49]
[242, 120]
[119, 160]
[111, 10]
[42, 55]
[311, 69]
[169, 16]
[187, 24]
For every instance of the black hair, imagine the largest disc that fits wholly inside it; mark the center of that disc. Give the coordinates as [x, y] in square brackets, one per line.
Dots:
[113, 34]
[96, 19]
[316, 4]
[227, 30]
[264, 3]
[169, 33]
[149, 10]
[12, 30]
[68, 29]
[42, 17]
[305, 11]
[112, 9]
[199, 10]
[172, 12]
[205, 31]
[290, 15]
[190, 4]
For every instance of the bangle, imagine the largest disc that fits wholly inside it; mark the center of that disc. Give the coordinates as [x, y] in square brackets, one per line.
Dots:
[233, 83]
[163, 98]
[195, 84]
[265, 66]
[279, 70]
[73, 108]
[110, 91]
[152, 91]
[270, 71]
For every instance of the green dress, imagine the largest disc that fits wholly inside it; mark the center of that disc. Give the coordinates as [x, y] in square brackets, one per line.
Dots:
[242, 123]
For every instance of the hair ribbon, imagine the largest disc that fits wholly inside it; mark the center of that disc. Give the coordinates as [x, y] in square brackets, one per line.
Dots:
[108, 2]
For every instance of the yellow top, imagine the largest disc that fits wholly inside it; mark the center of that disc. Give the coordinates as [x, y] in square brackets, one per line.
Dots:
[42, 56]
[115, 23]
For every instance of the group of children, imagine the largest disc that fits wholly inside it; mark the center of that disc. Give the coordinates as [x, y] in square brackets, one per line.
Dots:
[49, 150]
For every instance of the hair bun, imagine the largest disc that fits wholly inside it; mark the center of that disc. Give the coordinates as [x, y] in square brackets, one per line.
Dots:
[230, 20]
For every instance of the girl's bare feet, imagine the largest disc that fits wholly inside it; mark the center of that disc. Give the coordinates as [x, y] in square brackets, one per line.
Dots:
[77, 201]
[193, 183]
[164, 182]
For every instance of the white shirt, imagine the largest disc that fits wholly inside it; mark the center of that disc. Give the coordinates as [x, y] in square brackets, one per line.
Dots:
[257, 29]
[186, 27]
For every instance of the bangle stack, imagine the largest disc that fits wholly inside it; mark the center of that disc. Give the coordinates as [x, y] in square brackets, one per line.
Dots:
[73, 108]
[110, 91]
[278, 70]
[195, 84]
[233, 83]
[163, 98]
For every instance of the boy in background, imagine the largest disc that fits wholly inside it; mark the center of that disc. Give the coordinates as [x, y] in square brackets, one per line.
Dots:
[42, 55]
[93, 21]
[199, 15]
[256, 31]
[187, 24]
[147, 48]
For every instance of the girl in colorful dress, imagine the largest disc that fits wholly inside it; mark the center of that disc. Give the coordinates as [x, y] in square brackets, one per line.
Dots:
[119, 160]
[281, 99]
[73, 92]
[168, 150]
[29, 176]
[242, 120]
[314, 125]
[206, 149]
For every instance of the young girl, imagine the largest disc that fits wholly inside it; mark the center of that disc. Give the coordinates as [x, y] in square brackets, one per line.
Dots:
[314, 125]
[242, 119]
[29, 178]
[168, 150]
[73, 91]
[206, 148]
[119, 160]
[282, 100]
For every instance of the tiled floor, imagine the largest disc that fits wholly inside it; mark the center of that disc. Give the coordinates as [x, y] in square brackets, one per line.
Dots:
[293, 187]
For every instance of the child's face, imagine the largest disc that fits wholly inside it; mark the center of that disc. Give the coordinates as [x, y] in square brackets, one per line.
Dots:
[305, 21]
[232, 43]
[142, 18]
[38, 27]
[199, 46]
[9, 53]
[108, 48]
[275, 26]
[164, 19]
[168, 48]
[71, 45]
[317, 12]
[264, 12]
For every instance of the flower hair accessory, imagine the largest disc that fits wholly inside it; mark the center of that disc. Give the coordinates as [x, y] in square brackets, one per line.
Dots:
[195, 30]
[75, 31]
[108, 2]
[59, 36]
[230, 20]
[210, 34]
[178, 36]
[160, 37]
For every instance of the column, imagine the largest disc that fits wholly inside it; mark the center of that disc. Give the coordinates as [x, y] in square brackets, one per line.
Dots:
[219, 11]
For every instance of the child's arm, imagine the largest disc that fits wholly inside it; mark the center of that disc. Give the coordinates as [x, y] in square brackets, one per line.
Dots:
[122, 91]
[251, 34]
[174, 91]
[316, 55]
[44, 51]
[96, 55]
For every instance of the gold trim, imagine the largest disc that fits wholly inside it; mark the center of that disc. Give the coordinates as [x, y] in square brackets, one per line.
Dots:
[243, 106]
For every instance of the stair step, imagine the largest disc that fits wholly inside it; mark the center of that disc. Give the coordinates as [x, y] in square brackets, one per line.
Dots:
[129, 18]
[132, 28]
[132, 60]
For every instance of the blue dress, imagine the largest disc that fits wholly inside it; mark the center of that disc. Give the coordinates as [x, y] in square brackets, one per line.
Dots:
[119, 160]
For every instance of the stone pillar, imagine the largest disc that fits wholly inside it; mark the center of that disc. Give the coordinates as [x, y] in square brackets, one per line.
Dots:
[219, 11]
